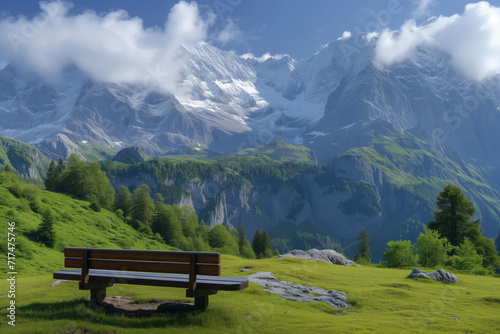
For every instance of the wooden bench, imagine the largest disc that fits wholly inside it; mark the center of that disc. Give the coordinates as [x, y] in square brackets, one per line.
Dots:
[101, 268]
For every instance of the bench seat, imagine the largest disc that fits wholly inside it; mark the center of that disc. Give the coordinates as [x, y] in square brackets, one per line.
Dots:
[197, 272]
[155, 279]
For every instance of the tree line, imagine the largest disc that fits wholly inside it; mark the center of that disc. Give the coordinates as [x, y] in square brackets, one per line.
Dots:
[179, 227]
[452, 238]
[176, 226]
[82, 180]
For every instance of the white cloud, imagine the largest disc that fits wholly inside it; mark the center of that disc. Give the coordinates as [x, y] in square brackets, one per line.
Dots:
[345, 35]
[372, 35]
[231, 32]
[472, 39]
[108, 48]
[262, 58]
[423, 8]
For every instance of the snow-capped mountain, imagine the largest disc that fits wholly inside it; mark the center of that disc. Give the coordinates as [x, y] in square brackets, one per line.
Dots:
[227, 103]
[391, 136]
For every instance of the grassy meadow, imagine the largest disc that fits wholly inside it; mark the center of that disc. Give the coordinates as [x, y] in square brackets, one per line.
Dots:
[383, 300]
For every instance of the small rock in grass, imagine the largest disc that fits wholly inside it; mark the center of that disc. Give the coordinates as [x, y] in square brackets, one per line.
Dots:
[439, 275]
[325, 255]
[456, 318]
[299, 293]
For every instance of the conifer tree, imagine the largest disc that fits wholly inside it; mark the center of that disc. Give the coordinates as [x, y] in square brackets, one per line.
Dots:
[261, 244]
[60, 166]
[244, 245]
[123, 201]
[268, 249]
[363, 249]
[45, 232]
[51, 180]
[142, 205]
[257, 244]
[242, 236]
[452, 219]
[166, 223]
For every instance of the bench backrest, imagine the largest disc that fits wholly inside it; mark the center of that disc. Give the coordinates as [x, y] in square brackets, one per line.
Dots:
[205, 263]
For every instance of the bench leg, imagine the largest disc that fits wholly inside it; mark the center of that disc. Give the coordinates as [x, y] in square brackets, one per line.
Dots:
[98, 294]
[201, 303]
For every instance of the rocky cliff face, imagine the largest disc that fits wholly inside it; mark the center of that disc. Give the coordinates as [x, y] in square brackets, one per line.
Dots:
[25, 159]
[387, 187]
[261, 206]
[422, 94]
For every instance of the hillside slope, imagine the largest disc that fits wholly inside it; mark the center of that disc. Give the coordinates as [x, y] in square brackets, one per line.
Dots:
[25, 159]
[76, 225]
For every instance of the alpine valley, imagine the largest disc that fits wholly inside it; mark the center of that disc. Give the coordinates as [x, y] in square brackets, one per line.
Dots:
[332, 144]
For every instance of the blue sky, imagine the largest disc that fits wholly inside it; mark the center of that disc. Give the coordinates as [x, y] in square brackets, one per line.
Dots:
[295, 27]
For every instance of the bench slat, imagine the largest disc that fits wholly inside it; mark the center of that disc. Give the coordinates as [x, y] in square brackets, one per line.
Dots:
[150, 266]
[143, 255]
[165, 280]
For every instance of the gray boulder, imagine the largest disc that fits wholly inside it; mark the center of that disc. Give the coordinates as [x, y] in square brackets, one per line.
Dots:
[439, 275]
[325, 255]
[298, 293]
[131, 155]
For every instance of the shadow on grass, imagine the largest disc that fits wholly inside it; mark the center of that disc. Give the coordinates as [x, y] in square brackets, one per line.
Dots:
[170, 315]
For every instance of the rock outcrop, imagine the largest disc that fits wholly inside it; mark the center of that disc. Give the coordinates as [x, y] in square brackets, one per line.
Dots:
[131, 155]
[439, 275]
[298, 293]
[325, 255]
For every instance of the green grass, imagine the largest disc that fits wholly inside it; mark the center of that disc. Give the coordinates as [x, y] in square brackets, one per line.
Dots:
[279, 150]
[75, 225]
[383, 301]
[95, 152]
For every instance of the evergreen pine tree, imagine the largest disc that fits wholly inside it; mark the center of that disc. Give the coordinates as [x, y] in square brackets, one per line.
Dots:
[142, 205]
[452, 219]
[257, 244]
[60, 166]
[244, 245]
[123, 201]
[266, 243]
[242, 236]
[261, 244]
[45, 232]
[50, 181]
[363, 249]
[158, 199]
